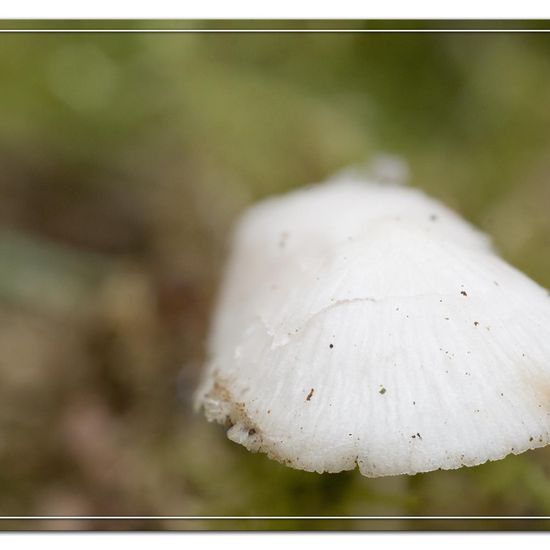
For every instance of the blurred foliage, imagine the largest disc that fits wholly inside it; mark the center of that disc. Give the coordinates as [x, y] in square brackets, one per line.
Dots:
[125, 159]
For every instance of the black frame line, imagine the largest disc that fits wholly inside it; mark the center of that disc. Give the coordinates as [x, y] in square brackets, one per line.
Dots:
[281, 31]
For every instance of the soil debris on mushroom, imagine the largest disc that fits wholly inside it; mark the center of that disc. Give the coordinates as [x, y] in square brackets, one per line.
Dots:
[366, 262]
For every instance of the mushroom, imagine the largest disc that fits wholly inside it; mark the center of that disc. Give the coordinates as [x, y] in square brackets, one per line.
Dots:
[365, 324]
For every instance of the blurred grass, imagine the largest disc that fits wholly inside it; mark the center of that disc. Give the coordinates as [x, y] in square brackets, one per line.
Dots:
[124, 160]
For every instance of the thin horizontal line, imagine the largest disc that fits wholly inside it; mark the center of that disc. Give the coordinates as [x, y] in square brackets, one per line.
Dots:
[385, 518]
[261, 31]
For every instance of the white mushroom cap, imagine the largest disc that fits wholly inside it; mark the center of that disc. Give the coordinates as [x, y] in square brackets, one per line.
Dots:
[366, 324]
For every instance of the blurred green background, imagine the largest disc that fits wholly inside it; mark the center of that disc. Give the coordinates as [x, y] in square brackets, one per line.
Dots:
[124, 161]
